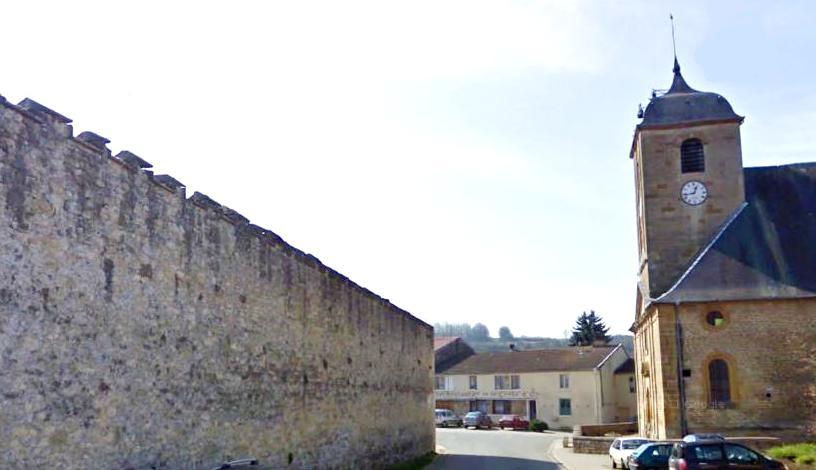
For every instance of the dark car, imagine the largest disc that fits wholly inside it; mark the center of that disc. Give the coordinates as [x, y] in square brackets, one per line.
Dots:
[653, 455]
[719, 454]
[514, 422]
[477, 419]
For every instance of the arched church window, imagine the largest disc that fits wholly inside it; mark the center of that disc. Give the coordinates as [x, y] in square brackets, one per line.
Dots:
[720, 393]
[692, 158]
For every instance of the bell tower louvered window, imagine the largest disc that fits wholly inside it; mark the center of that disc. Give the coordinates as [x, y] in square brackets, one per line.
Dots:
[692, 158]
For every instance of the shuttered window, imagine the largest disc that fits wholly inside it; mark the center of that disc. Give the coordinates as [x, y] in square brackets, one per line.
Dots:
[692, 158]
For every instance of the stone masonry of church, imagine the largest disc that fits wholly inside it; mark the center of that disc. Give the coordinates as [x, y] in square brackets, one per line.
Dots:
[725, 328]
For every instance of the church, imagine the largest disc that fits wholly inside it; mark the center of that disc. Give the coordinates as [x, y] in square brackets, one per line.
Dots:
[725, 321]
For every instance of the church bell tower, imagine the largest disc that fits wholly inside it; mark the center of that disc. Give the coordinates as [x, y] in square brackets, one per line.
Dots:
[688, 179]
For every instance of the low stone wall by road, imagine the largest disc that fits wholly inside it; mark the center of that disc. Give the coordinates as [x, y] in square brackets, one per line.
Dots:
[604, 429]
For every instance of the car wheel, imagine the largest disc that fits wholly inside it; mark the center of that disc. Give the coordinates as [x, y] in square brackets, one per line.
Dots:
[614, 464]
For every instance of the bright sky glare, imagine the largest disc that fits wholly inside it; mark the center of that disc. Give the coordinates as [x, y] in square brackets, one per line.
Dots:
[467, 160]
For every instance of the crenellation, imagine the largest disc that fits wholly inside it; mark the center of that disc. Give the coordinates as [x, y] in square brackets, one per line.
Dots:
[204, 201]
[171, 183]
[41, 111]
[132, 160]
[233, 216]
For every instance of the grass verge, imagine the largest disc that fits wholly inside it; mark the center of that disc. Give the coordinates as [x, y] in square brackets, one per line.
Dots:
[416, 464]
[803, 454]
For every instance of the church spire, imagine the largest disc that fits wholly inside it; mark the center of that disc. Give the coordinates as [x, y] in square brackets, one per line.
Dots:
[678, 85]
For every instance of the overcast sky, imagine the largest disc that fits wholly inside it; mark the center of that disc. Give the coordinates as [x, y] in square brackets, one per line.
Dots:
[467, 160]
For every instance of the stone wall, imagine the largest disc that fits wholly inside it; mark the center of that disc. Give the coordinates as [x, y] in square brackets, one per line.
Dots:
[141, 329]
[768, 346]
[591, 445]
[620, 429]
[770, 349]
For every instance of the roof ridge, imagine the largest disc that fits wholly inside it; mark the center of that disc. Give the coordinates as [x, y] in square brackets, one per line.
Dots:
[786, 165]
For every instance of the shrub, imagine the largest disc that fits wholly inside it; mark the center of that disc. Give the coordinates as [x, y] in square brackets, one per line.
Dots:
[538, 425]
[799, 453]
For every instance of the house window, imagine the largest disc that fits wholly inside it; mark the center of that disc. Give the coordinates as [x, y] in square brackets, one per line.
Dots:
[442, 382]
[501, 407]
[720, 386]
[472, 382]
[506, 382]
[564, 407]
[631, 385]
[692, 158]
[563, 380]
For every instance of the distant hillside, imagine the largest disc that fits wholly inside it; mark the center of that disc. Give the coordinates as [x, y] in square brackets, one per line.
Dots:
[531, 342]
[478, 337]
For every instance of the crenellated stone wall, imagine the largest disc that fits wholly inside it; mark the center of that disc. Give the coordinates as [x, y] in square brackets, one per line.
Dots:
[141, 329]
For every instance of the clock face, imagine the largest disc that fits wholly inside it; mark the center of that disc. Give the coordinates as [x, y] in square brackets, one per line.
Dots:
[693, 193]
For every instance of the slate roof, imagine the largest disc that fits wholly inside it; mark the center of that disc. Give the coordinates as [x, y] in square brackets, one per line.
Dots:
[628, 367]
[442, 341]
[683, 104]
[534, 360]
[767, 250]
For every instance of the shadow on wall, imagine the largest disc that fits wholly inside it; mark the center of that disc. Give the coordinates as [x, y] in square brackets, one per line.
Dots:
[488, 462]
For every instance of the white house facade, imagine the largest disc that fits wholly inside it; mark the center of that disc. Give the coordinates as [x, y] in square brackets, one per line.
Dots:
[562, 387]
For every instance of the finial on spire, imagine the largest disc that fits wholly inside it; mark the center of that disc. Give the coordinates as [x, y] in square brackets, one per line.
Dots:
[676, 68]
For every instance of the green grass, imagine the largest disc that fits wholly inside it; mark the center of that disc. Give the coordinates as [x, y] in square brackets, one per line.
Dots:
[799, 453]
[416, 464]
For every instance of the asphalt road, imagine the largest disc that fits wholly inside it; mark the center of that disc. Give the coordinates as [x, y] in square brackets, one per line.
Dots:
[494, 450]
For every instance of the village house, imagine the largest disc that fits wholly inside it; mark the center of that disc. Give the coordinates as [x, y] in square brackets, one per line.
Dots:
[725, 336]
[562, 387]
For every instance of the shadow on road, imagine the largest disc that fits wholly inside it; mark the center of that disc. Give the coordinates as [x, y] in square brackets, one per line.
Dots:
[488, 462]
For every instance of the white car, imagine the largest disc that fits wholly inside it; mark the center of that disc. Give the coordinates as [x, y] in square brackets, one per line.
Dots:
[622, 448]
[447, 418]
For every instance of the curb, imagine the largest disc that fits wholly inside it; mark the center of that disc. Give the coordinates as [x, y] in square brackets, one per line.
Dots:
[555, 455]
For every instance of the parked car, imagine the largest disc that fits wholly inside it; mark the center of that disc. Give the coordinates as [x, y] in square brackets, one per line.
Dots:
[651, 456]
[719, 454]
[446, 418]
[477, 419]
[514, 422]
[702, 437]
[622, 447]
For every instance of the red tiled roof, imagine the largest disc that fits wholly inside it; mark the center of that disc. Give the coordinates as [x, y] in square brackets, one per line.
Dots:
[535, 360]
[442, 341]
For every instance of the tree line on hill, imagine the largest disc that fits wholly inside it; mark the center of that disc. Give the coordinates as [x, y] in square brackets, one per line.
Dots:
[589, 329]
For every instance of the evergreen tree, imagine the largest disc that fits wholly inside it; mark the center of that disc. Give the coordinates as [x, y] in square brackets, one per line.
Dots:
[589, 329]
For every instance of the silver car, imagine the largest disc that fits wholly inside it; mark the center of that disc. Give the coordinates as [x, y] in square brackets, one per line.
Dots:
[446, 418]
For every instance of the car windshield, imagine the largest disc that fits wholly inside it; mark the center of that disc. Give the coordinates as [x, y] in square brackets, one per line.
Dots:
[473, 414]
[633, 444]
